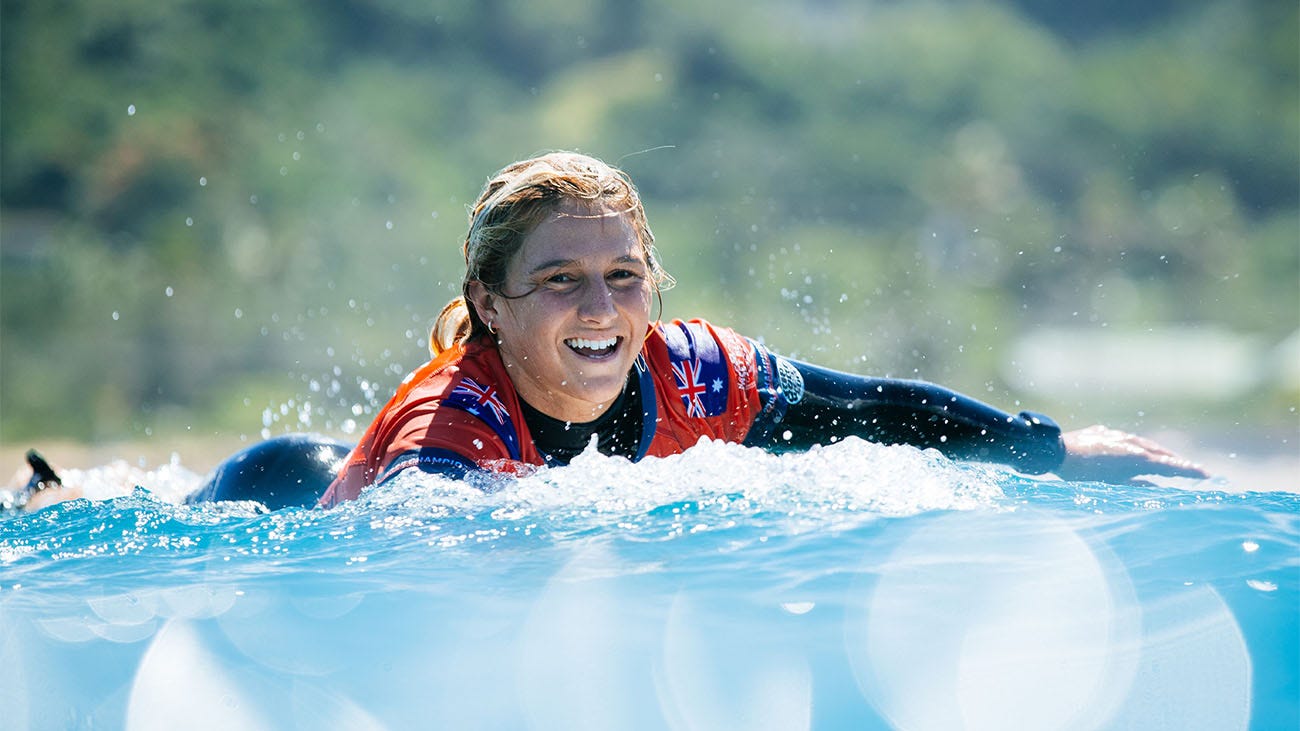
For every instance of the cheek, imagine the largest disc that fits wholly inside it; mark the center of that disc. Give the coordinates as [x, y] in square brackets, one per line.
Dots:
[529, 314]
[636, 302]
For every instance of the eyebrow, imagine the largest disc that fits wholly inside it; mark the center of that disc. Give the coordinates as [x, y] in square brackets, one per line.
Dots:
[561, 263]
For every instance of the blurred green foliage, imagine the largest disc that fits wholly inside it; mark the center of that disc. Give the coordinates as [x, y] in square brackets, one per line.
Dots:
[224, 215]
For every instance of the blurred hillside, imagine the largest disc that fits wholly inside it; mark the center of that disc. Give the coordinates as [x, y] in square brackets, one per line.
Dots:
[229, 216]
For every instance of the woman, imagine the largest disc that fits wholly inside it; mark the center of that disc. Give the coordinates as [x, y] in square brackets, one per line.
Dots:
[551, 346]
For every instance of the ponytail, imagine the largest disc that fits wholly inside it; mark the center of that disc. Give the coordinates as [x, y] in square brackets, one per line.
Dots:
[451, 328]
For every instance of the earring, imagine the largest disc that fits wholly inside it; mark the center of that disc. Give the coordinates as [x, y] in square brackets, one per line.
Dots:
[491, 329]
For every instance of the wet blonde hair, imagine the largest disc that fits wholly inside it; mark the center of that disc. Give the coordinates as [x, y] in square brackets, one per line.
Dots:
[513, 203]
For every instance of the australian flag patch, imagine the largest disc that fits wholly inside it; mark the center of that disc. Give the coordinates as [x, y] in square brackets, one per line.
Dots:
[699, 367]
[485, 403]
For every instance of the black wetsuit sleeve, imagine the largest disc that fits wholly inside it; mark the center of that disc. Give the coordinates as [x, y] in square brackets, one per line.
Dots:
[822, 406]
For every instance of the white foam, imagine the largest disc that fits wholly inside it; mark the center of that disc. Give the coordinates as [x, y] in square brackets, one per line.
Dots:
[851, 477]
[169, 483]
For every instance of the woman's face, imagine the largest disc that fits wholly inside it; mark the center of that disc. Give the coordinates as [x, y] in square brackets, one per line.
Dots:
[571, 341]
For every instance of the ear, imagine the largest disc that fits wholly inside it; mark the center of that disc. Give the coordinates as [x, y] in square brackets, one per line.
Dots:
[485, 303]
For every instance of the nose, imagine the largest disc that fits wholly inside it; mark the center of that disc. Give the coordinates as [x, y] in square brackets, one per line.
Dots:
[597, 304]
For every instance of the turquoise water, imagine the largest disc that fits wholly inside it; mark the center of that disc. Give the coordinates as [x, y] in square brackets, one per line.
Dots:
[855, 586]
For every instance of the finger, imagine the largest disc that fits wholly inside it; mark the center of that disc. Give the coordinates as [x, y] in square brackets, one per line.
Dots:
[1128, 467]
[1176, 468]
[1121, 468]
[1155, 448]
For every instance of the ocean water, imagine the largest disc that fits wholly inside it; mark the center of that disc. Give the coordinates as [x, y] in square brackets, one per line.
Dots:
[851, 587]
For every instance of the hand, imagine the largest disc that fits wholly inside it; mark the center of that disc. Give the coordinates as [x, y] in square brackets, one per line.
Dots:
[1109, 455]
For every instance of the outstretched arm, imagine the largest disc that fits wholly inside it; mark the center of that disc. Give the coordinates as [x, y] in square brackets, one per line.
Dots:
[823, 405]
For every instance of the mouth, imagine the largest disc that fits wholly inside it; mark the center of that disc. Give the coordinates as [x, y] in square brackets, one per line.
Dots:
[594, 349]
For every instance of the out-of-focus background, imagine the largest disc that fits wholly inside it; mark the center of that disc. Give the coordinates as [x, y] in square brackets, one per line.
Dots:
[223, 219]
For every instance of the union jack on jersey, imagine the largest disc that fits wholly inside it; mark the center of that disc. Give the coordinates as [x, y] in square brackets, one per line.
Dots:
[689, 386]
[475, 397]
[700, 369]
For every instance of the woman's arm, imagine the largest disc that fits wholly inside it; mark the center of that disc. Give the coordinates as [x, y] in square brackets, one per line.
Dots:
[823, 405]
[832, 405]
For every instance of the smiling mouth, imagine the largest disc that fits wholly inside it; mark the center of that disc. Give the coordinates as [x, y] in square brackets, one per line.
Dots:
[595, 349]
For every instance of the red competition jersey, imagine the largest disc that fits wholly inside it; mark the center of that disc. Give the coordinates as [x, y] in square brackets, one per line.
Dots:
[460, 410]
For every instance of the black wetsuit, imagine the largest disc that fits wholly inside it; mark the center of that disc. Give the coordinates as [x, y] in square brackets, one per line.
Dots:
[821, 406]
[813, 405]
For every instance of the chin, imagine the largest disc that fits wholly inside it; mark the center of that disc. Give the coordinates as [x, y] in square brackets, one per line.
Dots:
[602, 390]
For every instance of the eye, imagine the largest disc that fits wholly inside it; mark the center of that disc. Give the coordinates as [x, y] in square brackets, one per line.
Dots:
[561, 281]
[624, 277]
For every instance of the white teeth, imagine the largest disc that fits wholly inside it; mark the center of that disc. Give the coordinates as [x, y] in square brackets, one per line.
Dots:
[591, 344]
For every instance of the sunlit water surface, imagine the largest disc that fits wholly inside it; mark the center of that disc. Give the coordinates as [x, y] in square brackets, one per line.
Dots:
[855, 586]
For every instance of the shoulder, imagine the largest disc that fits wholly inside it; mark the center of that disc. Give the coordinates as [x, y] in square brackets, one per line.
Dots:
[440, 376]
[714, 346]
[466, 404]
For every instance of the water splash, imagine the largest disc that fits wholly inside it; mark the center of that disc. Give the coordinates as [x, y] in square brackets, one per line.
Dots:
[852, 586]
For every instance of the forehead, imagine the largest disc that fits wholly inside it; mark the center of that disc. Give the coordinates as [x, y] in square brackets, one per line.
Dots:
[580, 233]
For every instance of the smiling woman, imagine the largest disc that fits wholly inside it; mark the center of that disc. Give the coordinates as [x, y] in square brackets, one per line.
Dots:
[551, 347]
[579, 313]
